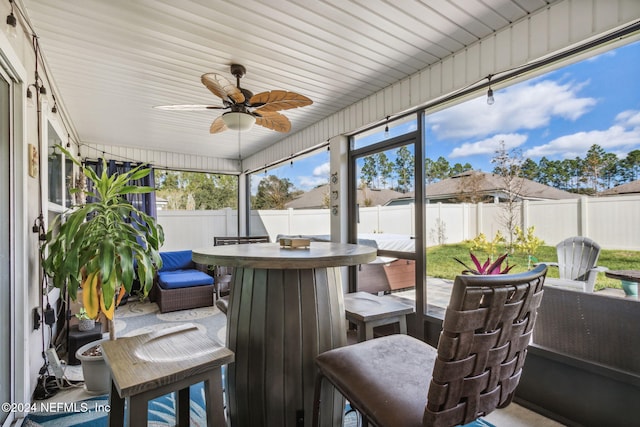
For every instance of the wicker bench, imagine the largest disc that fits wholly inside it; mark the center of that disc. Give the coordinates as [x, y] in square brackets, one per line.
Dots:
[181, 284]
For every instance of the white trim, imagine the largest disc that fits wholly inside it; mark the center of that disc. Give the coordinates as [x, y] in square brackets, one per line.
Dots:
[21, 387]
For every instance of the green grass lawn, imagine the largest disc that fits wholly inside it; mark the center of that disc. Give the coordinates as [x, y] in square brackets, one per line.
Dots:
[441, 263]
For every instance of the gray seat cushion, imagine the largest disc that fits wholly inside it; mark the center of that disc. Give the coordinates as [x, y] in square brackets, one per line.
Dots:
[383, 372]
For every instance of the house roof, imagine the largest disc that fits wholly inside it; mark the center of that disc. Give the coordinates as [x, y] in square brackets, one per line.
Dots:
[319, 197]
[632, 187]
[489, 184]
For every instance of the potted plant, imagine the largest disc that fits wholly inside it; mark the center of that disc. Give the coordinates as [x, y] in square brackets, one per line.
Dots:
[487, 267]
[85, 323]
[100, 246]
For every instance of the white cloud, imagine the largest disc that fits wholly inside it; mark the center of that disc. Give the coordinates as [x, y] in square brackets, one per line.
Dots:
[529, 105]
[489, 145]
[607, 54]
[320, 175]
[615, 139]
[629, 118]
[322, 170]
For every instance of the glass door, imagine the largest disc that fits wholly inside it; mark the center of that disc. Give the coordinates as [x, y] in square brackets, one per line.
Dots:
[384, 210]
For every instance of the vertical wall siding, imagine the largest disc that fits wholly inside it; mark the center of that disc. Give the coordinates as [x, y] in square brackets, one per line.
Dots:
[553, 29]
[161, 159]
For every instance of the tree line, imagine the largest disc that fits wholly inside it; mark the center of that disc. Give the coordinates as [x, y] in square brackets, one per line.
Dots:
[598, 170]
[199, 191]
[196, 190]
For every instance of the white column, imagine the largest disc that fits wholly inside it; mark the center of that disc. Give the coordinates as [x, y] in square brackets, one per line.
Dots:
[243, 206]
[338, 187]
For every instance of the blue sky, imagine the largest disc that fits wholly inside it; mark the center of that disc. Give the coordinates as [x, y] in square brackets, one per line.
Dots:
[558, 115]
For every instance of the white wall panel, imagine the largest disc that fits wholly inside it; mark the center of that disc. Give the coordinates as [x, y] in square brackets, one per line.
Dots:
[434, 79]
[195, 229]
[605, 12]
[472, 65]
[502, 52]
[406, 101]
[581, 24]
[459, 71]
[520, 42]
[559, 24]
[610, 221]
[539, 35]
[487, 56]
[161, 159]
[447, 76]
[415, 88]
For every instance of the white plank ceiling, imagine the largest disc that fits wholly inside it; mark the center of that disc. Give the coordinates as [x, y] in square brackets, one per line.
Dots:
[112, 61]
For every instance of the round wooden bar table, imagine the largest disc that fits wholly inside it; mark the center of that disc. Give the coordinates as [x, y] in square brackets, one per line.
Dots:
[286, 307]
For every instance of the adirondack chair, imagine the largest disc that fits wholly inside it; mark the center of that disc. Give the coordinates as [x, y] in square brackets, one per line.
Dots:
[577, 258]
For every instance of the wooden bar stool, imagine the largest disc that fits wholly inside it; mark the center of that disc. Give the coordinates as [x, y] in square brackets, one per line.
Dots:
[147, 366]
[368, 311]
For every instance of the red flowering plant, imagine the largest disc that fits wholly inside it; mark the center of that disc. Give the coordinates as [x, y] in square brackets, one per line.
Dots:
[488, 267]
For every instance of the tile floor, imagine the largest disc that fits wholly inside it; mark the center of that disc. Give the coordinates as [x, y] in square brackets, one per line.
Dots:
[513, 415]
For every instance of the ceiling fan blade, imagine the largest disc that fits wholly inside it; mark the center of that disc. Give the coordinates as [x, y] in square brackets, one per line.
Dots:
[188, 107]
[222, 87]
[272, 120]
[277, 100]
[218, 126]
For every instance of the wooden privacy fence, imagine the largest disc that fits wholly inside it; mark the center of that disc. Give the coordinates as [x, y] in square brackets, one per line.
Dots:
[611, 221]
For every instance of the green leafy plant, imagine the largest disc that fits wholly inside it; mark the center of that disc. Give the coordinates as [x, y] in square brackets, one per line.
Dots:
[488, 267]
[101, 245]
[82, 314]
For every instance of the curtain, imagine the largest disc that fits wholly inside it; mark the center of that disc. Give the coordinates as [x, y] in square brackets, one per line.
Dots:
[145, 202]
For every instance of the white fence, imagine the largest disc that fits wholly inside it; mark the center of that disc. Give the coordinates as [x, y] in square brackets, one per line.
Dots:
[614, 222]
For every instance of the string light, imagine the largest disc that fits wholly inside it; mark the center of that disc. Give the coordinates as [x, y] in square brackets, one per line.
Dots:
[490, 98]
[12, 22]
[30, 101]
[386, 128]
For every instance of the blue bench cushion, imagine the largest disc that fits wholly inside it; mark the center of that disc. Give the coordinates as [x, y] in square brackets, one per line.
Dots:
[183, 279]
[176, 260]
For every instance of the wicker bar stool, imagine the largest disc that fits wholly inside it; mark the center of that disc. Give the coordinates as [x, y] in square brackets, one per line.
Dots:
[476, 367]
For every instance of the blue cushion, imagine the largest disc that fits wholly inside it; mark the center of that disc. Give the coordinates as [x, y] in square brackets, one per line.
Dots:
[177, 260]
[183, 279]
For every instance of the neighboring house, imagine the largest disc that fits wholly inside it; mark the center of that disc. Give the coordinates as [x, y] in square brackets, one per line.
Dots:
[629, 188]
[476, 186]
[320, 198]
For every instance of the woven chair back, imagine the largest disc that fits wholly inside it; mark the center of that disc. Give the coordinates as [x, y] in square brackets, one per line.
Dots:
[483, 344]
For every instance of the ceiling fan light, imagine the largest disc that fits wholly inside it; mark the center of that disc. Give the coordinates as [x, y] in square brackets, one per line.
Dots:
[238, 121]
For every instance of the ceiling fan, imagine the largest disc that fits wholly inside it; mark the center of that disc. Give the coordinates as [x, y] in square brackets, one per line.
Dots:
[244, 107]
